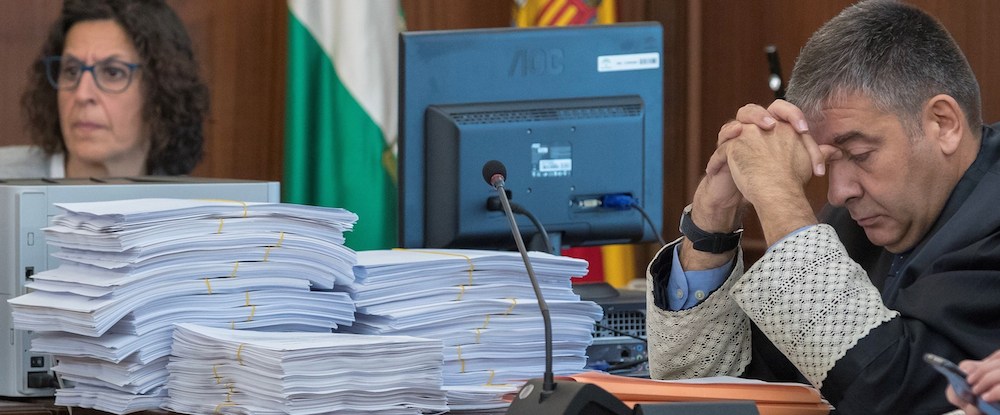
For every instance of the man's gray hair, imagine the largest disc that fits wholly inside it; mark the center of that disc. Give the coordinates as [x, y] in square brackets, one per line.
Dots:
[892, 53]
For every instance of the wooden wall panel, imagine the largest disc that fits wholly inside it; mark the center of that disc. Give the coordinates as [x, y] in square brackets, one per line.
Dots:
[23, 29]
[714, 63]
[455, 14]
[241, 47]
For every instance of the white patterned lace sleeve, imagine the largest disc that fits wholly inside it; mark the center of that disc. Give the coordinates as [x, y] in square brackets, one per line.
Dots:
[710, 339]
[811, 300]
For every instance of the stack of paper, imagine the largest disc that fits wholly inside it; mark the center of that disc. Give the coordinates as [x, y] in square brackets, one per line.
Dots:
[481, 305]
[219, 370]
[131, 269]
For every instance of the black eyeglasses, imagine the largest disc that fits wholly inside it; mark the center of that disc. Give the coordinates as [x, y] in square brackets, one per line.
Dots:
[110, 75]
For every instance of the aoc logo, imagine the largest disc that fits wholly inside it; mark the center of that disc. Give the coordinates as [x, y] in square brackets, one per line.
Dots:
[536, 62]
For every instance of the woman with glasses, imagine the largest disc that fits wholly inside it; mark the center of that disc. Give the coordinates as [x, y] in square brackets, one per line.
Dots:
[115, 92]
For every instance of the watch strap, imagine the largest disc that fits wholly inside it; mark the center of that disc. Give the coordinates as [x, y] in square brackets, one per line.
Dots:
[712, 242]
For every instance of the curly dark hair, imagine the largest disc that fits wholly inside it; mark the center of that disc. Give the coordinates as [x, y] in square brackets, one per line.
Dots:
[175, 100]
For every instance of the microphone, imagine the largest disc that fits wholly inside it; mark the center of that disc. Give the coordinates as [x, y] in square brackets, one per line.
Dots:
[546, 396]
[495, 173]
[774, 81]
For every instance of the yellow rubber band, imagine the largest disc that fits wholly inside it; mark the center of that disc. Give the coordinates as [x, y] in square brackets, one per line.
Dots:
[236, 267]
[267, 250]
[487, 322]
[239, 350]
[221, 221]
[478, 333]
[253, 310]
[215, 374]
[230, 201]
[218, 408]
[512, 305]
[209, 285]
[472, 266]
[462, 362]
[489, 382]
[461, 291]
[248, 297]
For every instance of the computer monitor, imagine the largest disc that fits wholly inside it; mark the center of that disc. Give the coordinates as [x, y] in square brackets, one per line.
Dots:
[574, 113]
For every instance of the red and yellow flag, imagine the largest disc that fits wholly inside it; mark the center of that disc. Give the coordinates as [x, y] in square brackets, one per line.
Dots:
[563, 12]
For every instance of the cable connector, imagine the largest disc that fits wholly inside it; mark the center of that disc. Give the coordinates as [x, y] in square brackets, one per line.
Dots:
[589, 203]
[619, 201]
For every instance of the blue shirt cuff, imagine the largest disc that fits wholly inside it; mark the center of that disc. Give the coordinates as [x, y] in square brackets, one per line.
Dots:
[687, 289]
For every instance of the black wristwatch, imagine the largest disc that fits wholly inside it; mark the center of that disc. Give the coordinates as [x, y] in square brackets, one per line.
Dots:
[712, 242]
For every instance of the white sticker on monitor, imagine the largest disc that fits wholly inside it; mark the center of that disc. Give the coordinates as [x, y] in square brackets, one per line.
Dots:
[551, 166]
[630, 62]
[551, 160]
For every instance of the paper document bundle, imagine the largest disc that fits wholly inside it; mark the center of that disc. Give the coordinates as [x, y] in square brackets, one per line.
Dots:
[309, 373]
[131, 269]
[481, 305]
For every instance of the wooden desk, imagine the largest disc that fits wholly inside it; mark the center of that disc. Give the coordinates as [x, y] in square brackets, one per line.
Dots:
[36, 406]
[45, 406]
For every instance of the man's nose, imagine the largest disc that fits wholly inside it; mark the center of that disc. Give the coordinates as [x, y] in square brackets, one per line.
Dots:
[843, 184]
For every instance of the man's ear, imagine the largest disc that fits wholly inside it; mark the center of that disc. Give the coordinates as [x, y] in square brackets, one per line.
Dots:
[944, 122]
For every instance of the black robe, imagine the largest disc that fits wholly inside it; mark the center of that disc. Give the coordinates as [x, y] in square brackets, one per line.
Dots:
[947, 292]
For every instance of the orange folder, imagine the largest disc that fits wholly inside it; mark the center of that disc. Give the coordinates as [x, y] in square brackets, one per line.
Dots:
[771, 398]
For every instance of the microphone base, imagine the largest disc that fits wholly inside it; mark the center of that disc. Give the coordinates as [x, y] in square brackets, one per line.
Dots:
[697, 408]
[568, 397]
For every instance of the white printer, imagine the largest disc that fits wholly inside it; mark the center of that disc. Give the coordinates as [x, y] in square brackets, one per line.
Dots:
[26, 206]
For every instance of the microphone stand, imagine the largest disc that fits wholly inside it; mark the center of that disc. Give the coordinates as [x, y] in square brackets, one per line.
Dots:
[547, 396]
[548, 384]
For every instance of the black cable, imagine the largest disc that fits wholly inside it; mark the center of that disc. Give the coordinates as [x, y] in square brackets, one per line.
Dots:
[627, 365]
[516, 208]
[493, 204]
[631, 363]
[619, 332]
[650, 222]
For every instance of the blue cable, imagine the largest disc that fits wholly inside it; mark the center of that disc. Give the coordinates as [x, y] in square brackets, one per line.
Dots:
[619, 201]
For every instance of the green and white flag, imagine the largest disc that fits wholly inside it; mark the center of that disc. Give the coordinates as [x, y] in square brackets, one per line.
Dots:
[341, 112]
